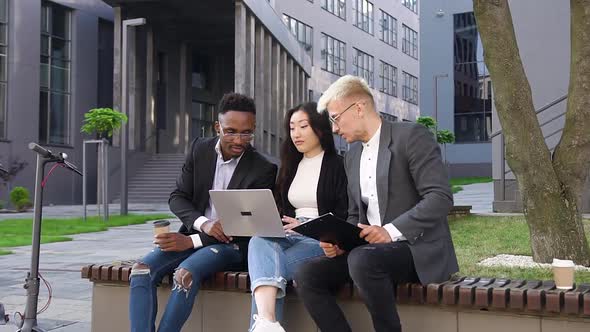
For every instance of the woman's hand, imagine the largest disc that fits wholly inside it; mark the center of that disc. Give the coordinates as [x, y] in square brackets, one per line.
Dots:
[290, 223]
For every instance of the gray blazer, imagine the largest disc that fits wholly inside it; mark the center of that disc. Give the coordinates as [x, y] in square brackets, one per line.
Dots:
[414, 195]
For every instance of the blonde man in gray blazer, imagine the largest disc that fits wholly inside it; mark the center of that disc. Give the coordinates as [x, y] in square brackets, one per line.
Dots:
[399, 193]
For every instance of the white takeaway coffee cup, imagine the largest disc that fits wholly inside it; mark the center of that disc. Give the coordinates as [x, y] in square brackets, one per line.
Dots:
[563, 273]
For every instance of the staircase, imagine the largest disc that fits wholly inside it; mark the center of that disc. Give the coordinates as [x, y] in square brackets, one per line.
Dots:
[154, 182]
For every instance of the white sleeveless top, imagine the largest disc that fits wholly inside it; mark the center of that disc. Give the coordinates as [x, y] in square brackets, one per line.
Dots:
[303, 190]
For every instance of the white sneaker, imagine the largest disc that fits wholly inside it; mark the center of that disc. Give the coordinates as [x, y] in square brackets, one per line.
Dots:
[264, 325]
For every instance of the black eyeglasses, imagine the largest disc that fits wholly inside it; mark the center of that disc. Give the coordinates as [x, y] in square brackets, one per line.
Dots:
[334, 119]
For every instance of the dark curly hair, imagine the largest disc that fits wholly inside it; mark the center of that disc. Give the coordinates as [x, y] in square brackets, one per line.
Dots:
[290, 156]
[232, 101]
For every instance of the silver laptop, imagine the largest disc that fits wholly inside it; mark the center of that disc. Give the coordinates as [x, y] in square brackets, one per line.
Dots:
[248, 212]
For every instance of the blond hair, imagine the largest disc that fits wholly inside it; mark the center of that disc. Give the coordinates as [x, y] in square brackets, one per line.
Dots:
[345, 86]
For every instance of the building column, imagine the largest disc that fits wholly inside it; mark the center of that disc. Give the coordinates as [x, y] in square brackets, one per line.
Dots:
[240, 47]
[132, 87]
[276, 98]
[150, 127]
[290, 86]
[283, 93]
[259, 82]
[268, 107]
[117, 79]
[182, 98]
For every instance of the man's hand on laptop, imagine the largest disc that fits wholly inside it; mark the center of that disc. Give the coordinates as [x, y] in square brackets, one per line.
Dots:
[213, 228]
[331, 250]
[173, 242]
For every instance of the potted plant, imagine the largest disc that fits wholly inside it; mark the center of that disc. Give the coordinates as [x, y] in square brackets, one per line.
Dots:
[103, 122]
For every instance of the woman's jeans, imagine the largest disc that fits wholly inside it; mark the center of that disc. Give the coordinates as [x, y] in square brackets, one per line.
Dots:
[201, 263]
[273, 262]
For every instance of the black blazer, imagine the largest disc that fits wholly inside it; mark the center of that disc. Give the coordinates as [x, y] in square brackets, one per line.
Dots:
[331, 190]
[191, 196]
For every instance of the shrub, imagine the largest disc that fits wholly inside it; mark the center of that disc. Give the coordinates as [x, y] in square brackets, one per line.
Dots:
[19, 197]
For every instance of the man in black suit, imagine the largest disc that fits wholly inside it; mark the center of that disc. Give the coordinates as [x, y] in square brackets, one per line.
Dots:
[200, 248]
[399, 194]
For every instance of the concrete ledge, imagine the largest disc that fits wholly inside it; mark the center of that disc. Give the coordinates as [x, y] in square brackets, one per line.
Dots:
[460, 210]
[532, 297]
[217, 310]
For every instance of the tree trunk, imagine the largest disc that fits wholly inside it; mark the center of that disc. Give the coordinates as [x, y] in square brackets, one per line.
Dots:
[551, 189]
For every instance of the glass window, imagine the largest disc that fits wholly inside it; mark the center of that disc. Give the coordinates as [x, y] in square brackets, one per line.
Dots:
[388, 117]
[410, 42]
[410, 88]
[333, 55]
[363, 66]
[203, 118]
[3, 65]
[336, 7]
[411, 5]
[201, 66]
[473, 87]
[363, 15]
[388, 28]
[55, 68]
[301, 31]
[388, 77]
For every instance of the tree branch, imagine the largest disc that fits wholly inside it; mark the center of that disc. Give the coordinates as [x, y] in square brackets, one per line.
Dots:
[530, 161]
[572, 154]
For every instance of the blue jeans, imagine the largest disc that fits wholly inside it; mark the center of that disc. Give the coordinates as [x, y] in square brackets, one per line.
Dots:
[201, 263]
[273, 262]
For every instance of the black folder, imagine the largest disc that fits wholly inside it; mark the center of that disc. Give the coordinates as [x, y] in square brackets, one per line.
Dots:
[331, 229]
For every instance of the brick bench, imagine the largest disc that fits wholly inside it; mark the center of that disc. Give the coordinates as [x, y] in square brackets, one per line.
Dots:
[460, 304]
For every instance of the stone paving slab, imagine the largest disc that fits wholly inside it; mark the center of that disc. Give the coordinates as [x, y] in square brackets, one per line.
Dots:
[60, 264]
[479, 195]
[63, 211]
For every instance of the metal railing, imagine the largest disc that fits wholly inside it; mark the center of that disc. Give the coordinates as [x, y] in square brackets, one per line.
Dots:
[500, 133]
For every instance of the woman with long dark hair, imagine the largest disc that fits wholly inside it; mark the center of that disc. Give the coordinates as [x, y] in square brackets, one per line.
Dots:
[311, 182]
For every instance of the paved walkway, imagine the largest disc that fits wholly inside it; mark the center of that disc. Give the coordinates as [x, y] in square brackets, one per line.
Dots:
[480, 196]
[62, 211]
[60, 264]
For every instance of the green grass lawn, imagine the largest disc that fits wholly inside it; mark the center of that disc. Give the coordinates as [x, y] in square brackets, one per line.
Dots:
[470, 180]
[479, 237]
[456, 183]
[17, 232]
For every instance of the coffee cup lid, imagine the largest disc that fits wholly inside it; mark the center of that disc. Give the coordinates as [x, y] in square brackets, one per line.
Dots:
[562, 262]
[161, 223]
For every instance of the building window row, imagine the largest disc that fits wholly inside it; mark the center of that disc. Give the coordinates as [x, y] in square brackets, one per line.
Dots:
[333, 55]
[363, 65]
[54, 102]
[389, 117]
[336, 7]
[388, 29]
[473, 86]
[388, 76]
[301, 31]
[410, 88]
[3, 65]
[363, 19]
[411, 5]
[334, 61]
[363, 15]
[410, 42]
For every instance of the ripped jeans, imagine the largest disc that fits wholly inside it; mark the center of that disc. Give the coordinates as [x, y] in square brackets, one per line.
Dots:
[273, 262]
[201, 263]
